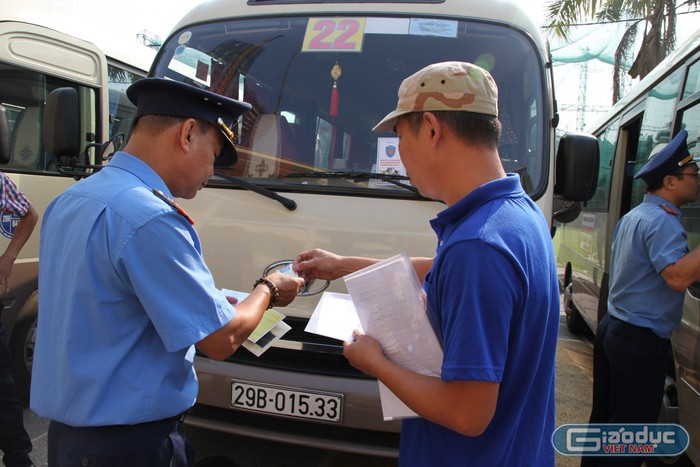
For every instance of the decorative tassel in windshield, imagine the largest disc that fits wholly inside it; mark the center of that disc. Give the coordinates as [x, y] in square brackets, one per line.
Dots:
[335, 73]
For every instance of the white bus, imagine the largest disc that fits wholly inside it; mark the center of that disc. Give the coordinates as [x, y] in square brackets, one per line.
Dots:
[311, 173]
[655, 110]
[42, 49]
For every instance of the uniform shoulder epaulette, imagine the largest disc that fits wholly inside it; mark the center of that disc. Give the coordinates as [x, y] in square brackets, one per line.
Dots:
[669, 210]
[173, 204]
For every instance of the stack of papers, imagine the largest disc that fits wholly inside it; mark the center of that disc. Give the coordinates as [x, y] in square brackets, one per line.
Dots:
[388, 303]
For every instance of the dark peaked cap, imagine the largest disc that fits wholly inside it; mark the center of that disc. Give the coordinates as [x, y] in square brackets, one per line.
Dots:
[160, 96]
[667, 161]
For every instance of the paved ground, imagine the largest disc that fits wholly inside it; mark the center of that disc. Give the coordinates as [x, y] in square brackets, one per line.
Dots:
[574, 383]
[574, 376]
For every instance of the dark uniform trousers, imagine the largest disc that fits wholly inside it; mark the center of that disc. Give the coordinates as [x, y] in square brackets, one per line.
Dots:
[152, 444]
[629, 371]
[14, 440]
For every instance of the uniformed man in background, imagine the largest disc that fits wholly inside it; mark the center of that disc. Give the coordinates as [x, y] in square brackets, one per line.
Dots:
[650, 268]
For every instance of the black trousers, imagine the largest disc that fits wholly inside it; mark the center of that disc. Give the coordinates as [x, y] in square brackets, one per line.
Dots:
[153, 444]
[629, 371]
[14, 440]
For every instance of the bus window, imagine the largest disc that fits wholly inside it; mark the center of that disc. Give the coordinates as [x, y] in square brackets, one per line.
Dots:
[606, 142]
[656, 126]
[121, 110]
[690, 120]
[692, 83]
[23, 95]
[337, 92]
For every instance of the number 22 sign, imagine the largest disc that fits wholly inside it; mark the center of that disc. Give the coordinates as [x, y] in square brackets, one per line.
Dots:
[334, 35]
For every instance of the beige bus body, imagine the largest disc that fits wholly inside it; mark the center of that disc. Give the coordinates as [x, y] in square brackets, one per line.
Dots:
[43, 48]
[279, 56]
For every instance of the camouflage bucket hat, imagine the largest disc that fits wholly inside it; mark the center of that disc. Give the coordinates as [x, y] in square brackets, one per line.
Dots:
[451, 86]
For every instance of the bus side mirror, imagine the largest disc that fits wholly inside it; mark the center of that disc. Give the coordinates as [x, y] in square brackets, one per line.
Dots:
[61, 123]
[577, 167]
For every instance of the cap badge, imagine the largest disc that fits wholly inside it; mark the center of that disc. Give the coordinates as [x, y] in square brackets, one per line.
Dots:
[227, 131]
[686, 160]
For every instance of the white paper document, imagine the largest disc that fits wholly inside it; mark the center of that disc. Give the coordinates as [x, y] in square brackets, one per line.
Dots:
[335, 317]
[391, 305]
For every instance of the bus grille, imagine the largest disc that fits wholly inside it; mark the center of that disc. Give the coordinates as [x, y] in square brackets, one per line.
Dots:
[328, 362]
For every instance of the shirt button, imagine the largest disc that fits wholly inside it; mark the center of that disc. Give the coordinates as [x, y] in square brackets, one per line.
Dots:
[85, 461]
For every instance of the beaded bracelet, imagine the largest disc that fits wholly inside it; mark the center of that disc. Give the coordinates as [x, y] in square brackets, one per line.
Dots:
[274, 291]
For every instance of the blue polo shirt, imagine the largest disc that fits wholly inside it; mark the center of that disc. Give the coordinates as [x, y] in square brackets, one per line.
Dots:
[645, 241]
[494, 293]
[124, 293]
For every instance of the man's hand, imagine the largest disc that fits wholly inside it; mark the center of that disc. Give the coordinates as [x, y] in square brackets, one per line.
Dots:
[318, 264]
[363, 352]
[287, 286]
[6, 263]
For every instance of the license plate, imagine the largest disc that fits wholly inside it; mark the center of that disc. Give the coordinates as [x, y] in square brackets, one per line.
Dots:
[291, 402]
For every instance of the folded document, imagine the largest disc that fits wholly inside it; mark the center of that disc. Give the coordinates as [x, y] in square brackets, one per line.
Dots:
[388, 303]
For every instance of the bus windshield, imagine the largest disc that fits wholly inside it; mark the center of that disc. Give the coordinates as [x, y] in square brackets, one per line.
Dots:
[319, 84]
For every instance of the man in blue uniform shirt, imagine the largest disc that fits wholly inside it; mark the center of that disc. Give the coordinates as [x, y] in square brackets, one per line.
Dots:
[125, 293]
[492, 285]
[650, 268]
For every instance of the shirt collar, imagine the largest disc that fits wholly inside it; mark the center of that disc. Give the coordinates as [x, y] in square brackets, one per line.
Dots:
[132, 164]
[664, 203]
[507, 186]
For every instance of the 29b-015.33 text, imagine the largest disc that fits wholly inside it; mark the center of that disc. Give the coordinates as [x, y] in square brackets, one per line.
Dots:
[281, 400]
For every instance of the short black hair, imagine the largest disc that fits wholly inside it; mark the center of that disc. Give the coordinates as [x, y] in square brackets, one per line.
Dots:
[659, 183]
[475, 129]
[160, 123]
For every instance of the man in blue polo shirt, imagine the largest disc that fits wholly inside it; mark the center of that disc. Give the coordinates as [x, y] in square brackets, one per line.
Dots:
[492, 285]
[650, 268]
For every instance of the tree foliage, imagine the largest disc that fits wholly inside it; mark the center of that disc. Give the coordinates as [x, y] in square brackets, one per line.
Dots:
[657, 17]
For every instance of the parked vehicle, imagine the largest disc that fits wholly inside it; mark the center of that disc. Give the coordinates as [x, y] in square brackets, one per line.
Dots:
[319, 76]
[311, 172]
[664, 102]
[43, 49]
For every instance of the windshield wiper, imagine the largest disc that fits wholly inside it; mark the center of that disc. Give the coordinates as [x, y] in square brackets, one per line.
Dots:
[286, 202]
[394, 179]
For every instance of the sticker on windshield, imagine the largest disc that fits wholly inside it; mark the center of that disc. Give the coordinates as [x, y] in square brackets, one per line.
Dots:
[388, 158]
[334, 35]
[184, 37]
[433, 27]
